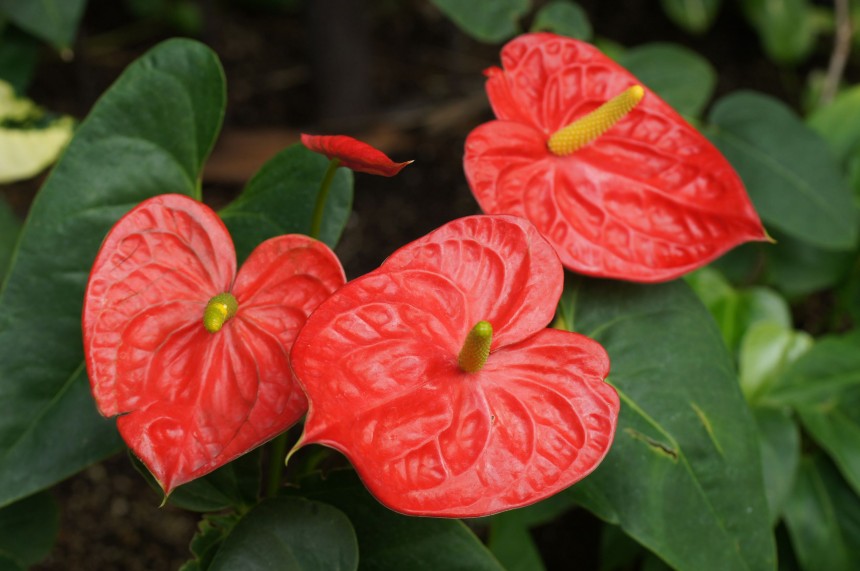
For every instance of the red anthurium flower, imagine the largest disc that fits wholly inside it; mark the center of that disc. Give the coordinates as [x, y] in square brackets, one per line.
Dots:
[353, 154]
[193, 356]
[435, 374]
[611, 175]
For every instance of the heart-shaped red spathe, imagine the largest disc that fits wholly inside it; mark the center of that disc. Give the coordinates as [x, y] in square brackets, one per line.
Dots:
[378, 361]
[353, 154]
[190, 400]
[648, 201]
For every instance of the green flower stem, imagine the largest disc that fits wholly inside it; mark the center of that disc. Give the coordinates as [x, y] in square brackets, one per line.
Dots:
[322, 197]
[279, 444]
[276, 465]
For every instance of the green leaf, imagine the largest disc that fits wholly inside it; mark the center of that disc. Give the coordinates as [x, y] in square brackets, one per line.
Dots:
[390, 541]
[512, 544]
[212, 530]
[618, 550]
[839, 123]
[659, 65]
[695, 16]
[55, 21]
[822, 516]
[28, 528]
[736, 310]
[235, 485]
[565, 18]
[280, 199]
[799, 268]
[767, 349]
[19, 53]
[824, 388]
[785, 27]
[790, 173]
[488, 21]
[9, 228]
[286, 534]
[148, 135]
[779, 437]
[683, 476]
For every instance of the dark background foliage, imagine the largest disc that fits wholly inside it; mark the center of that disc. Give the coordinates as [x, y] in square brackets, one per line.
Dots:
[396, 73]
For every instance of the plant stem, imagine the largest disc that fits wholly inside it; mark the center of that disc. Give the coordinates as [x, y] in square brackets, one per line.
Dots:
[276, 465]
[841, 51]
[279, 444]
[322, 197]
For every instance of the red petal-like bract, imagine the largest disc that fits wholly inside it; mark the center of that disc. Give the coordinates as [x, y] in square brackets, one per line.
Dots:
[191, 401]
[353, 154]
[378, 361]
[648, 201]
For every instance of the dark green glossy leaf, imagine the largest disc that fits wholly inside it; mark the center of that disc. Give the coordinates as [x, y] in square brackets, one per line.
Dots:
[824, 388]
[512, 544]
[28, 528]
[19, 53]
[695, 16]
[839, 123]
[683, 476]
[148, 135]
[212, 530]
[823, 519]
[790, 172]
[798, 268]
[486, 21]
[289, 534]
[618, 550]
[280, 199]
[235, 485]
[55, 21]
[779, 437]
[389, 541]
[9, 227]
[565, 18]
[659, 65]
[784, 26]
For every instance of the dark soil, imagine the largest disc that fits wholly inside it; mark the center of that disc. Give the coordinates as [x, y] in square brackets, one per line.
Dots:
[395, 73]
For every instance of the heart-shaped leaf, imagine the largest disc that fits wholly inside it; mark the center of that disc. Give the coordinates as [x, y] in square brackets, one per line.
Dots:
[659, 65]
[28, 529]
[55, 21]
[486, 21]
[149, 134]
[792, 176]
[280, 199]
[695, 16]
[649, 200]
[684, 474]
[379, 362]
[192, 399]
[290, 533]
[388, 541]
